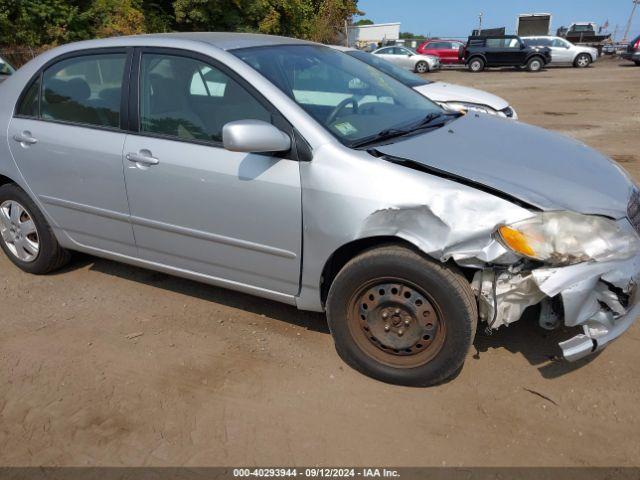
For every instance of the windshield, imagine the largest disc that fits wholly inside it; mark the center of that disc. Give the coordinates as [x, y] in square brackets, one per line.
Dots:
[400, 74]
[5, 68]
[351, 99]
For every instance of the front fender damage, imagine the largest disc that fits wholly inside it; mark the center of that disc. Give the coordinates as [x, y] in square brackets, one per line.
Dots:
[598, 296]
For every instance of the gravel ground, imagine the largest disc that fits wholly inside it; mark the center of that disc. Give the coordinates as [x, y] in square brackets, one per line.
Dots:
[105, 364]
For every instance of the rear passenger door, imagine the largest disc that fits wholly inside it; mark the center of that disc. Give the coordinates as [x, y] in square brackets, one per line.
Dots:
[234, 218]
[67, 137]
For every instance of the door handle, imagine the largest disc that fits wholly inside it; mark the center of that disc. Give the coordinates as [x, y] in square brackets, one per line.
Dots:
[25, 138]
[143, 157]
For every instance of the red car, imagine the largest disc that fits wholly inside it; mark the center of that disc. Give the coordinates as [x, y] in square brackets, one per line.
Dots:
[446, 50]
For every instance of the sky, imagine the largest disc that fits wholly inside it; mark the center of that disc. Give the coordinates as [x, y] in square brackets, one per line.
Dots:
[457, 18]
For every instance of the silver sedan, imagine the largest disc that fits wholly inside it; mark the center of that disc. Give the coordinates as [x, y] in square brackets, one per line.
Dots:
[291, 171]
[408, 59]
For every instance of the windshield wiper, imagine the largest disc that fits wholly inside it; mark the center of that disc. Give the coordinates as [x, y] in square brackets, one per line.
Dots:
[386, 134]
[427, 122]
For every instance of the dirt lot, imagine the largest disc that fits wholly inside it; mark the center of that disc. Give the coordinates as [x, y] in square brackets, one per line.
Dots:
[105, 364]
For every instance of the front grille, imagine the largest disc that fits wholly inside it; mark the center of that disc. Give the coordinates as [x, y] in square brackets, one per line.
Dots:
[633, 210]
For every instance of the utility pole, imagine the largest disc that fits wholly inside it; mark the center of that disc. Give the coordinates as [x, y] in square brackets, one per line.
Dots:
[626, 30]
[482, 15]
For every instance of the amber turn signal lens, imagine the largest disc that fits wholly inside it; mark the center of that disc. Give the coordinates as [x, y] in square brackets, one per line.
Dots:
[516, 241]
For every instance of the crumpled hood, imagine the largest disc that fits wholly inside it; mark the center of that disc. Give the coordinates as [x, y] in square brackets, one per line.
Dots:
[447, 92]
[539, 167]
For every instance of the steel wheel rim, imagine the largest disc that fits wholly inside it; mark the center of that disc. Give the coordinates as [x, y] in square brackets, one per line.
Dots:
[535, 65]
[475, 66]
[19, 232]
[396, 322]
[421, 68]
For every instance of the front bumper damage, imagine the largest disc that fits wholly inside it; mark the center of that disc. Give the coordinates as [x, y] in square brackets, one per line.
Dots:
[601, 297]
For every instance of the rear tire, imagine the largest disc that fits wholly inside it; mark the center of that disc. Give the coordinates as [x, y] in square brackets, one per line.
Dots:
[476, 65]
[422, 67]
[535, 64]
[400, 318]
[582, 61]
[25, 235]
[637, 62]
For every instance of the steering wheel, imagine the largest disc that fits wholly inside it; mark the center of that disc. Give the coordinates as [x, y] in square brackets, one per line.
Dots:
[334, 113]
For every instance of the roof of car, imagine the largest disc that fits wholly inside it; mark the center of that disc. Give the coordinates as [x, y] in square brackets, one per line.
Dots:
[222, 40]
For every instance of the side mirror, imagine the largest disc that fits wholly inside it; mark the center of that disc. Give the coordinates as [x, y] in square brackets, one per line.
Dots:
[254, 136]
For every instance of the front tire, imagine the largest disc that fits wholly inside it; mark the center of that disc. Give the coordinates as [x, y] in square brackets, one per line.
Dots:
[400, 318]
[25, 236]
[535, 64]
[476, 65]
[582, 61]
[637, 62]
[422, 67]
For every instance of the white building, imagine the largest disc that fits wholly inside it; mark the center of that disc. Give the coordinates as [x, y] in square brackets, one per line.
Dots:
[378, 32]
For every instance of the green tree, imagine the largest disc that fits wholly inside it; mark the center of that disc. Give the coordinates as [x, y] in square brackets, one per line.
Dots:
[34, 23]
[364, 21]
[37, 23]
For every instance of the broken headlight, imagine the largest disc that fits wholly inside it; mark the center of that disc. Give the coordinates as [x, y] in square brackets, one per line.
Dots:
[565, 238]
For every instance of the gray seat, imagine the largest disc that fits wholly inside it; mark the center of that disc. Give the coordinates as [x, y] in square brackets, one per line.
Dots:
[170, 112]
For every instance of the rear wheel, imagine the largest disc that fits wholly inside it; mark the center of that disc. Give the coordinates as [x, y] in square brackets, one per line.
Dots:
[535, 64]
[476, 65]
[422, 67]
[26, 237]
[637, 62]
[400, 318]
[582, 61]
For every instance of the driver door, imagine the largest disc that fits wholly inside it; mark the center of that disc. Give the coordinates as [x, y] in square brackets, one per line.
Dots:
[561, 51]
[231, 217]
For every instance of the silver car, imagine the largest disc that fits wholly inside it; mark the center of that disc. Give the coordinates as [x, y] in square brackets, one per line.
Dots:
[6, 70]
[237, 160]
[448, 95]
[408, 59]
[563, 52]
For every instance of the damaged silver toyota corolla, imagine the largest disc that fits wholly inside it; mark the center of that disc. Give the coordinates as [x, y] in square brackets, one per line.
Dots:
[292, 171]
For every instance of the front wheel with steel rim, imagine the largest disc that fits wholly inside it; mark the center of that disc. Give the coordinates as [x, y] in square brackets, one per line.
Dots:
[422, 67]
[26, 237]
[582, 61]
[401, 318]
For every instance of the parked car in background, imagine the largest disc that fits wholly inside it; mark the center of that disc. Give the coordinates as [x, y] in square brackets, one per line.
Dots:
[408, 59]
[563, 51]
[445, 50]
[633, 51]
[503, 51]
[229, 159]
[6, 69]
[447, 95]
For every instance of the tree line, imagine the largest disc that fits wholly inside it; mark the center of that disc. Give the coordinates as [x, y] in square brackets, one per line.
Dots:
[46, 23]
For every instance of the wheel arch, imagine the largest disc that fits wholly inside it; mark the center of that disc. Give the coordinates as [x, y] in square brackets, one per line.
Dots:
[534, 55]
[343, 254]
[4, 180]
[481, 56]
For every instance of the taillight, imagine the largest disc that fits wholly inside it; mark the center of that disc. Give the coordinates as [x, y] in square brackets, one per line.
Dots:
[637, 45]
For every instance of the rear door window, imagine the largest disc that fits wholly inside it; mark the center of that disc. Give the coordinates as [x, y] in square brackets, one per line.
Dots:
[85, 90]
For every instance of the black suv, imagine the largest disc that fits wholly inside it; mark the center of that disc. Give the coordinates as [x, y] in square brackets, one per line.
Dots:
[502, 51]
[633, 51]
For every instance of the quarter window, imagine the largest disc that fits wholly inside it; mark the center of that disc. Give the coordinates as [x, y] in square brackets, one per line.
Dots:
[185, 98]
[29, 104]
[84, 90]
